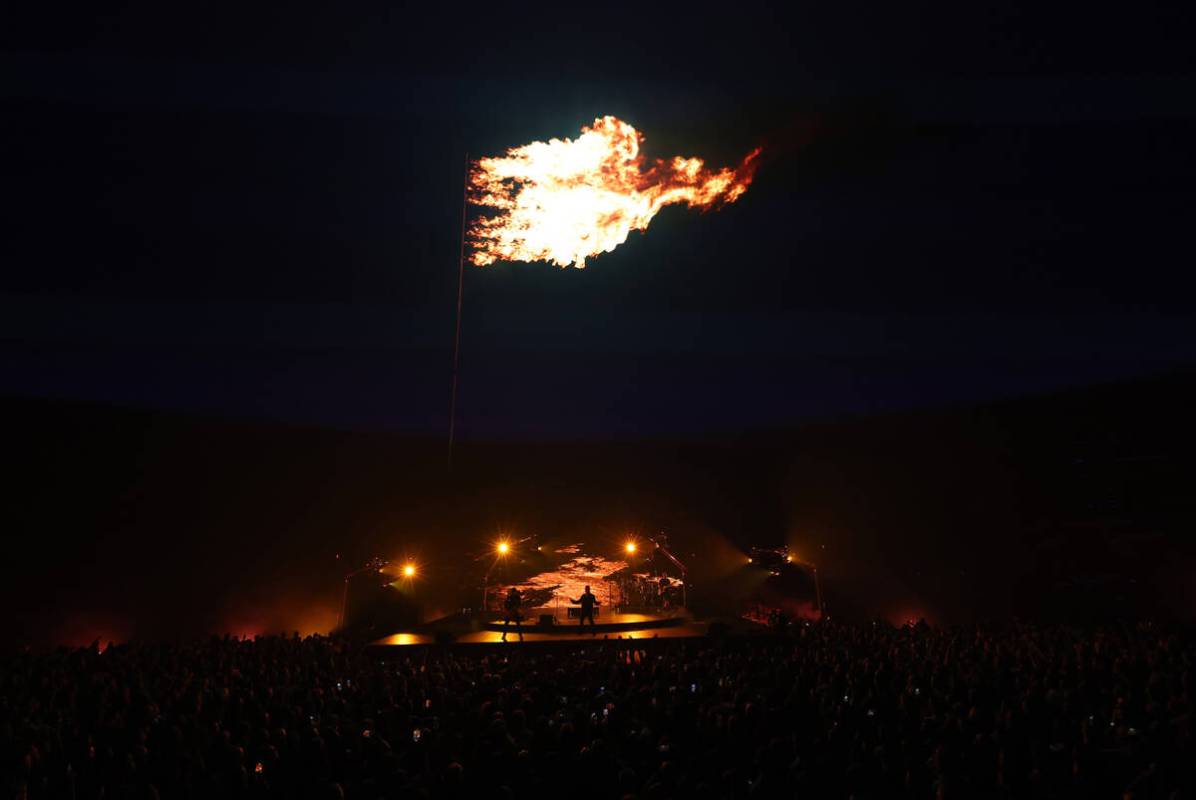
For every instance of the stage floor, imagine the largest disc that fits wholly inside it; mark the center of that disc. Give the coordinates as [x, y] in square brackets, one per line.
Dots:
[531, 634]
[626, 626]
[608, 622]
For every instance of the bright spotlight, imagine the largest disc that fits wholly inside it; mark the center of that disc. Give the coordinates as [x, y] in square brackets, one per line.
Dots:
[409, 571]
[789, 559]
[503, 548]
[630, 547]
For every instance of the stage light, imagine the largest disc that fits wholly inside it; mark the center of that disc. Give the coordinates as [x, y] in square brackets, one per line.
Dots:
[630, 547]
[749, 560]
[409, 571]
[503, 548]
[789, 559]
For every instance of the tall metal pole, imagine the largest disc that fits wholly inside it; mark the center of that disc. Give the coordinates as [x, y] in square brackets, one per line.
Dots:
[340, 620]
[457, 338]
[817, 584]
[818, 593]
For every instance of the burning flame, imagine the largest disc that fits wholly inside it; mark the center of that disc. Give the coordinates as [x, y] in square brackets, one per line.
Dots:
[566, 200]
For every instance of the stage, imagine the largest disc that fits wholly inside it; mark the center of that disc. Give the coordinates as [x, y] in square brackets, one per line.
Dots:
[640, 593]
[629, 626]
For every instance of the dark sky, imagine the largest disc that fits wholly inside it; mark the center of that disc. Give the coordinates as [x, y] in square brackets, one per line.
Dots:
[257, 212]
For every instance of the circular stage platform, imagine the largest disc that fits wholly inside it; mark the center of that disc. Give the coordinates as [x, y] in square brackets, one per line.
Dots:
[461, 629]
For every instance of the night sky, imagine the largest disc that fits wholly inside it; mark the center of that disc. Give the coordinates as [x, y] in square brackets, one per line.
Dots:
[256, 213]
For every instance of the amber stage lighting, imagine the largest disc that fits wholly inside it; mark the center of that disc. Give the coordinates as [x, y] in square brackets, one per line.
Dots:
[630, 547]
[503, 548]
[409, 571]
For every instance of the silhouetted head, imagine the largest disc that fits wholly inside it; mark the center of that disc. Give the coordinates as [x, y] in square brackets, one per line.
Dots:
[587, 589]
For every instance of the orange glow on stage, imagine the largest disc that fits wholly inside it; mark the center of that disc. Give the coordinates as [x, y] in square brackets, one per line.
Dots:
[503, 548]
[630, 547]
[409, 571]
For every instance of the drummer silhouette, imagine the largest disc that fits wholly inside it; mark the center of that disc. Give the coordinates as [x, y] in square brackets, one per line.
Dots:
[587, 602]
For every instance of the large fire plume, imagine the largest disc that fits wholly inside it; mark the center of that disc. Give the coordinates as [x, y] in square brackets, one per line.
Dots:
[566, 200]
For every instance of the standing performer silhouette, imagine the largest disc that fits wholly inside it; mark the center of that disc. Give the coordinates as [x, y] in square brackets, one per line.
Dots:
[587, 602]
[512, 605]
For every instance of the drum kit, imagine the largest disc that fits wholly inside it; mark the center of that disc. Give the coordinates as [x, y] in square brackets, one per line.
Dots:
[649, 591]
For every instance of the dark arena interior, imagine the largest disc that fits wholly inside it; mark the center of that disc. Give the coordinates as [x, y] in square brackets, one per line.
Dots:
[770, 400]
[1056, 660]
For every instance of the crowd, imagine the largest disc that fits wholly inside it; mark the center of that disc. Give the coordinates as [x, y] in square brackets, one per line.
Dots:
[821, 711]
